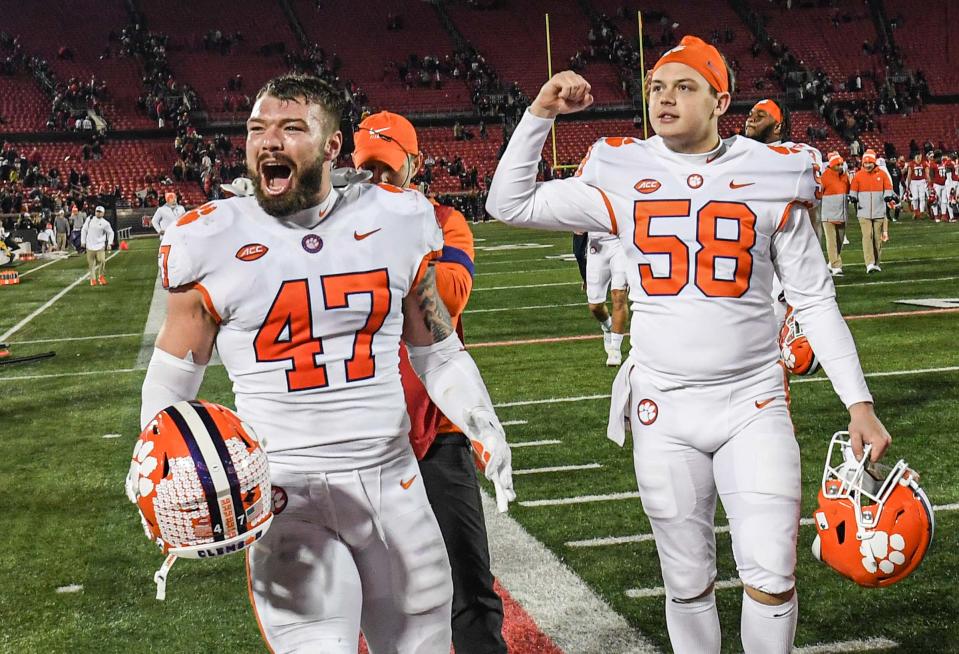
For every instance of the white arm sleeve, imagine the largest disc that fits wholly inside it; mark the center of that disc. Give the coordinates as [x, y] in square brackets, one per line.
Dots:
[156, 221]
[562, 205]
[451, 378]
[810, 291]
[169, 380]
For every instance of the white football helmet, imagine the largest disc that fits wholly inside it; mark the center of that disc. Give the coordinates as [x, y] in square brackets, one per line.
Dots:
[201, 482]
[874, 522]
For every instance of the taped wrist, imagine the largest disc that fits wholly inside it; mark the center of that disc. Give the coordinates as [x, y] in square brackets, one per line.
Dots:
[451, 378]
[169, 380]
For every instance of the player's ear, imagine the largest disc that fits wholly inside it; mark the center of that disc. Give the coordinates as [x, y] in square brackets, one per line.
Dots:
[333, 146]
[723, 100]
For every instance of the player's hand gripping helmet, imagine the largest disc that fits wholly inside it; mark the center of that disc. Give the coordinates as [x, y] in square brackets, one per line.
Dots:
[201, 482]
[874, 522]
[794, 350]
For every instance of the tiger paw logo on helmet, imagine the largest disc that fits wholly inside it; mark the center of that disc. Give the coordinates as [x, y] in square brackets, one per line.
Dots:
[201, 482]
[794, 349]
[874, 523]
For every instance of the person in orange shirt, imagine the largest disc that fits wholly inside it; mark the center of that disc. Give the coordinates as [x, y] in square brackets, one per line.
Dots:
[386, 145]
[871, 188]
[835, 185]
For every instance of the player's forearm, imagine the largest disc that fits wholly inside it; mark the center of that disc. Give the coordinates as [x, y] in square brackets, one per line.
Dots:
[169, 379]
[451, 379]
[512, 191]
[835, 349]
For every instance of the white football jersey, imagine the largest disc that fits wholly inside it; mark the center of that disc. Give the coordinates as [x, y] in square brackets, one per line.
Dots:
[703, 235]
[310, 319]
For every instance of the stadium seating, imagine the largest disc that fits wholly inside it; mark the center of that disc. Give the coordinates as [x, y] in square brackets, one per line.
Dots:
[923, 39]
[365, 47]
[812, 37]
[512, 38]
[23, 107]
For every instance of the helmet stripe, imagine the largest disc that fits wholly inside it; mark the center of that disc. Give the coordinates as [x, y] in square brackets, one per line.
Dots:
[227, 461]
[179, 412]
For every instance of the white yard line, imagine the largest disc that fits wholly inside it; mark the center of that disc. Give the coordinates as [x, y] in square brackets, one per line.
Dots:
[899, 281]
[639, 593]
[83, 373]
[867, 645]
[509, 423]
[535, 443]
[73, 338]
[46, 305]
[538, 306]
[553, 400]
[506, 288]
[49, 263]
[583, 499]
[720, 529]
[536, 471]
[561, 604]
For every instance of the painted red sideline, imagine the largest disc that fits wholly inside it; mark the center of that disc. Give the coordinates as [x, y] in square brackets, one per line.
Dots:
[519, 630]
[590, 337]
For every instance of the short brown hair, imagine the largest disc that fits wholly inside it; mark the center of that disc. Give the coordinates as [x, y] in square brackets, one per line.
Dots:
[312, 90]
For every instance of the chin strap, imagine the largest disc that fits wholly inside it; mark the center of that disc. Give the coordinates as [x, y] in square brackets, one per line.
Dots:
[159, 577]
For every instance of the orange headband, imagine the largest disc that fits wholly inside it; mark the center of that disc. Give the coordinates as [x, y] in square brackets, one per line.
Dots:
[701, 57]
[770, 108]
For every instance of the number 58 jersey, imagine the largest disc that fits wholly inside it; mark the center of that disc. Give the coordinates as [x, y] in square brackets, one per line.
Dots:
[310, 320]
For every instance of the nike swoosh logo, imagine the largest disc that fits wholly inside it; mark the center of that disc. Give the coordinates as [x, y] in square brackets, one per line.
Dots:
[360, 237]
[734, 185]
[407, 484]
[760, 405]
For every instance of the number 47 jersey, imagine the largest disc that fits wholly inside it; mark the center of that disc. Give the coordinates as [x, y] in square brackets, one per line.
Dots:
[702, 235]
[310, 320]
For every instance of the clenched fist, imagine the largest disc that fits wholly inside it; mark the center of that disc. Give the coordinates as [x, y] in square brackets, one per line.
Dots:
[564, 93]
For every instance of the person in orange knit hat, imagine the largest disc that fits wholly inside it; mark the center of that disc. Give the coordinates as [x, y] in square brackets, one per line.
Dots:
[871, 188]
[387, 146]
[705, 223]
[835, 190]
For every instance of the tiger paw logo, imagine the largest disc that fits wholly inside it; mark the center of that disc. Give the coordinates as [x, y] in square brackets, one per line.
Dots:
[647, 412]
[144, 465]
[788, 357]
[882, 552]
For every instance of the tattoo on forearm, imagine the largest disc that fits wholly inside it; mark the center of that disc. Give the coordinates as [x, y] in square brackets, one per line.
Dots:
[435, 314]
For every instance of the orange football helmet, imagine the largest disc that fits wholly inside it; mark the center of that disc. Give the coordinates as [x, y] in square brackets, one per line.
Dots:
[794, 349]
[201, 482]
[874, 522]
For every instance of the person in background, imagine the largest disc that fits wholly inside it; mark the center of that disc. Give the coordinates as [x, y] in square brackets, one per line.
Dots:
[870, 190]
[61, 227]
[97, 238]
[77, 219]
[835, 185]
[167, 214]
[386, 145]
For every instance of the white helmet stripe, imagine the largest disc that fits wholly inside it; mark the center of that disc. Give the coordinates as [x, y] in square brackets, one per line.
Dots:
[214, 464]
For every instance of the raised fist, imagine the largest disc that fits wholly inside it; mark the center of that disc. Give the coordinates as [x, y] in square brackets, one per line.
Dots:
[564, 93]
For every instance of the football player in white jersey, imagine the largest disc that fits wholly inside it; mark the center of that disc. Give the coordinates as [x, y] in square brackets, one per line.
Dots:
[306, 291]
[704, 224]
[768, 123]
[606, 272]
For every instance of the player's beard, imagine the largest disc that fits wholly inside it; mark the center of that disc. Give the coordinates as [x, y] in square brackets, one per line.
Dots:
[303, 195]
[765, 135]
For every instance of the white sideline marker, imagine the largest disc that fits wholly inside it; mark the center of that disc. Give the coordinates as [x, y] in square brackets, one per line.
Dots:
[46, 305]
[535, 443]
[112, 435]
[577, 283]
[561, 604]
[73, 338]
[867, 645]
[538, 306]
[71, 588]
[514, 422]
[583, 499]
[536, 471]
[639, 593]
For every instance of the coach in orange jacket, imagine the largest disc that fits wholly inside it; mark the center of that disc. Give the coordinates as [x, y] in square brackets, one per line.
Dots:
[835, 188]
[386, 145]
[870, 188]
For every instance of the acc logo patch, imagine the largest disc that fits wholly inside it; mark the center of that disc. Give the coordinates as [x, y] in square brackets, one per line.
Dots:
[647, 185]
[647, 411]
[251, 252]
[694, 180]
[279, 500]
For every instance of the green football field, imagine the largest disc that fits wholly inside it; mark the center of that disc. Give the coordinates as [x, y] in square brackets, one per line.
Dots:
[67, 427]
